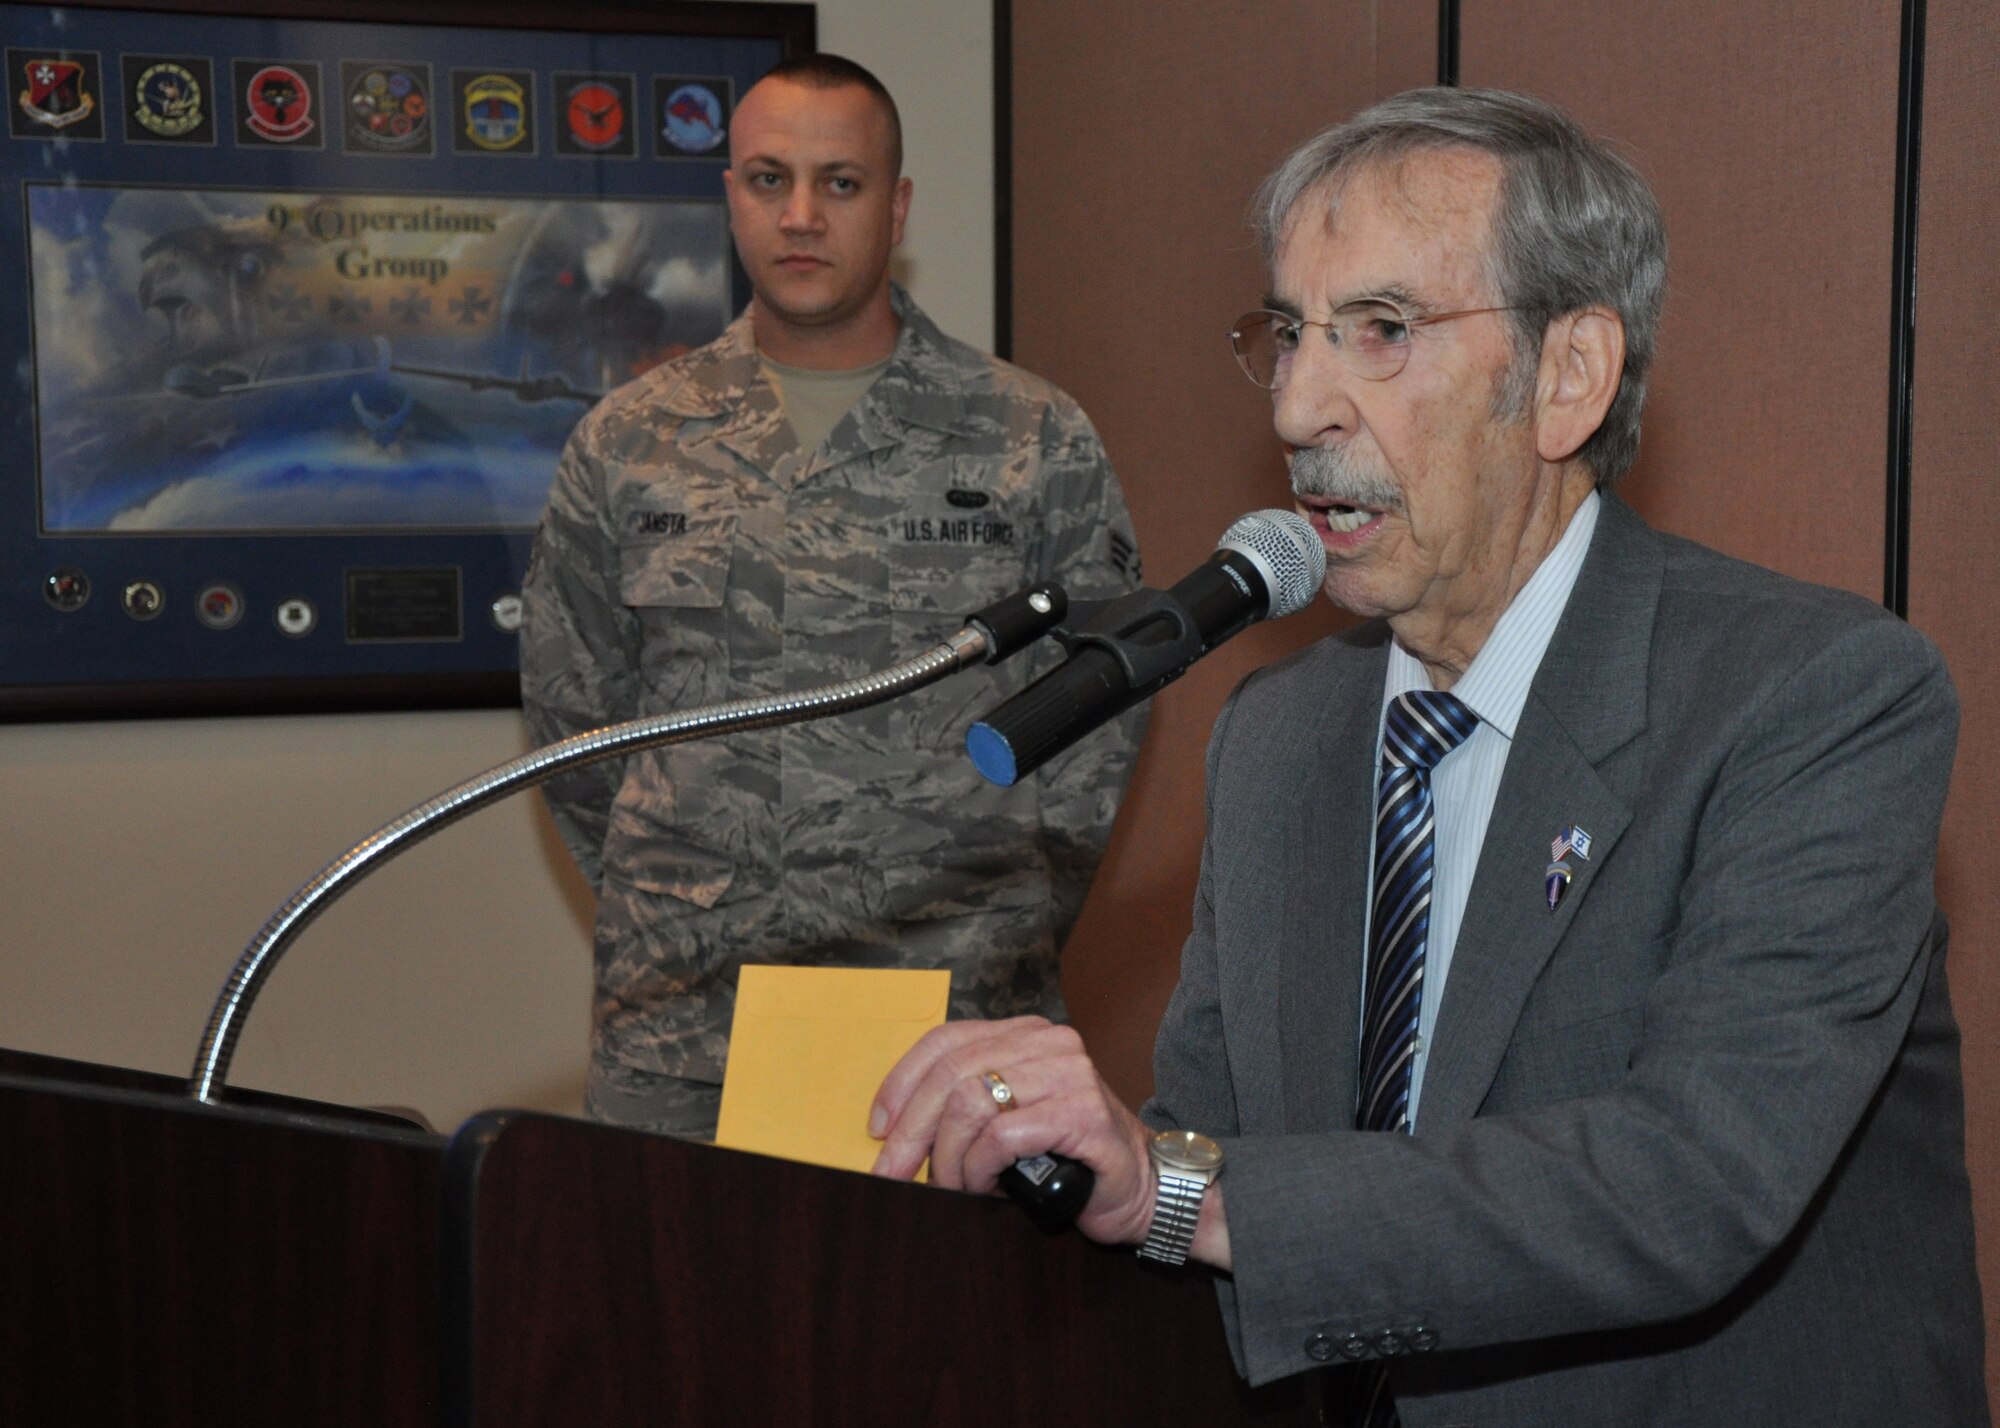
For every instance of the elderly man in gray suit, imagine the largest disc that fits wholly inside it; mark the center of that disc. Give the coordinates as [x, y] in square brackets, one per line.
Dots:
[1563, 1035]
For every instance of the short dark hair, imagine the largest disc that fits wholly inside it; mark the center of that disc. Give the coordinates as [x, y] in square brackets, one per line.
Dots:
[1574, 224]
[825, 71]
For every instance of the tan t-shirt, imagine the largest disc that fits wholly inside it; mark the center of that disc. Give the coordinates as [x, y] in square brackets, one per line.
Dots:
[814, 401]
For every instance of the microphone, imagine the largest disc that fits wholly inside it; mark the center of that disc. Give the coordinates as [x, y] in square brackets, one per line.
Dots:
[1269, 563]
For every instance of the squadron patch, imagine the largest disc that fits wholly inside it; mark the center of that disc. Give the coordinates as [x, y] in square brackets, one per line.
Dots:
[280, 104]
[388, 108]
[596, 116]
[495, 110]
[168, 100]
[57, 98]
[693, 115]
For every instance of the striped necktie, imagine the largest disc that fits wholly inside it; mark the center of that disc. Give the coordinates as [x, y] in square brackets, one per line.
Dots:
[1418, 730]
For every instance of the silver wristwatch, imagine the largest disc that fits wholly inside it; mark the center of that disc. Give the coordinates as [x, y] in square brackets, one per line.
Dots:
[1185, 1164]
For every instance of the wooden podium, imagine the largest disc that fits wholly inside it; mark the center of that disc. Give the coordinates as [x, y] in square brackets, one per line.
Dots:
[273, 1261]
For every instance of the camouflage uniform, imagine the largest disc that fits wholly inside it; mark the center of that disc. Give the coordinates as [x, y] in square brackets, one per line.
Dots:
[691, 553]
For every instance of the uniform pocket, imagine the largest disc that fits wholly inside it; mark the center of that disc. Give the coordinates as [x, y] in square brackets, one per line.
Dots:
[933, 586]
[685, 570]
[1011, 882]
[655, 860]
[954, 550]
[677, 584]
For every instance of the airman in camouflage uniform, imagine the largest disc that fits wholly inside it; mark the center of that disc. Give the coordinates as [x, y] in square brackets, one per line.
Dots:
[691, 553]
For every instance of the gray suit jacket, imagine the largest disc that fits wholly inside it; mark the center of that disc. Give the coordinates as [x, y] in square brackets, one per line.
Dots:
[1691, 1146]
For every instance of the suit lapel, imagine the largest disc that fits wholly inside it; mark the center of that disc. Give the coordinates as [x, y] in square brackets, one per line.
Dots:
[1319, 1011]
[1509, 932]
[1588, 700]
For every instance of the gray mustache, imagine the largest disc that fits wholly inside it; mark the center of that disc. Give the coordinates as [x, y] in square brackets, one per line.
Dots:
[1328, 473]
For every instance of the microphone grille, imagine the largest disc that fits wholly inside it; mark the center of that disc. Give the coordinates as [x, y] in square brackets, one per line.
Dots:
[1286, 548]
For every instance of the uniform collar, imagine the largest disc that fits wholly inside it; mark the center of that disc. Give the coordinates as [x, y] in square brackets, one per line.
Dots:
[922, 388]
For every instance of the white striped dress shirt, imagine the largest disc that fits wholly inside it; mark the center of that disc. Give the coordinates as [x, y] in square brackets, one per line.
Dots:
[1463, 786]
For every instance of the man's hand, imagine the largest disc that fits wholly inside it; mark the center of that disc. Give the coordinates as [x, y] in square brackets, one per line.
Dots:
[934, 1103]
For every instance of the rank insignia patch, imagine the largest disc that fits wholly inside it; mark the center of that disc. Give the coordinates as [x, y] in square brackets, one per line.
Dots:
[388, 108]
[55, 95]
[595, 118]
[167, 100]
[278, 104]
[1125, 557]
[692, 116]
[494, 112]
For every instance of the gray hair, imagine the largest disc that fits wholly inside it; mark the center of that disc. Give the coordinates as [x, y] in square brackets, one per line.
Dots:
[1574, 226]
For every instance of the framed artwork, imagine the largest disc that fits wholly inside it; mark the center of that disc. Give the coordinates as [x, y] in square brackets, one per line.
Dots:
[307, 301]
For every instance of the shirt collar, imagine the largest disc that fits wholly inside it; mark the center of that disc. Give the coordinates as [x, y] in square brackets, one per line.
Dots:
[1495, 685]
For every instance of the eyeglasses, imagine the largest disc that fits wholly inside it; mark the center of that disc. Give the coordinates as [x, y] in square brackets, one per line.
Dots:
[1373, 338]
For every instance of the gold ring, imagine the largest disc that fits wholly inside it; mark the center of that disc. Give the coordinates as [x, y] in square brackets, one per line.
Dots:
[998, 1089]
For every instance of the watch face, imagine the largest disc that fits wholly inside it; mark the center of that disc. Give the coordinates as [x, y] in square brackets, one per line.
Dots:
[1187, 1150]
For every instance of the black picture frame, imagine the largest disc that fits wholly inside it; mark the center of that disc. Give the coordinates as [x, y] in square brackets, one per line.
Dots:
[214, 496]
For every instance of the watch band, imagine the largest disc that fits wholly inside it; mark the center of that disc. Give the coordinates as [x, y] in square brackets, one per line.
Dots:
[1176, 1207]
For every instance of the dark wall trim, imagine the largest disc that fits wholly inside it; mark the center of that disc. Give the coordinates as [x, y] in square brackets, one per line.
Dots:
[794, 25]
[1448, 42]
[1003, 178]
[1903, 310]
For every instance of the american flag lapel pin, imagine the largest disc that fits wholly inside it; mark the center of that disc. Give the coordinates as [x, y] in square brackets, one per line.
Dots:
[1572, 839]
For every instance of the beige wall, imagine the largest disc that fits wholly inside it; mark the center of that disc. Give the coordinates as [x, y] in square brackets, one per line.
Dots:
[138, 858]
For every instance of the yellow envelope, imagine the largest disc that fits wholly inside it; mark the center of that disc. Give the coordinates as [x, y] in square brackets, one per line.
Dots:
[808, 1050]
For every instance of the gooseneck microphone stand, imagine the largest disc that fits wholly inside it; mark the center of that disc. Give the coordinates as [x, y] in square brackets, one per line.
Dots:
[988, 637]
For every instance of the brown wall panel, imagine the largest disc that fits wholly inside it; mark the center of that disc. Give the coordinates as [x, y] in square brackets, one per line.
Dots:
[1140, 132]
[1769, 132]
[1406, 50]
[1955, 521]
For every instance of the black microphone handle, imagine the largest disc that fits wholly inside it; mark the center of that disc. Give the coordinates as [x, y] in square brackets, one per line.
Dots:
[1093, 686]
[1075, 697]
[1053, 1189]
